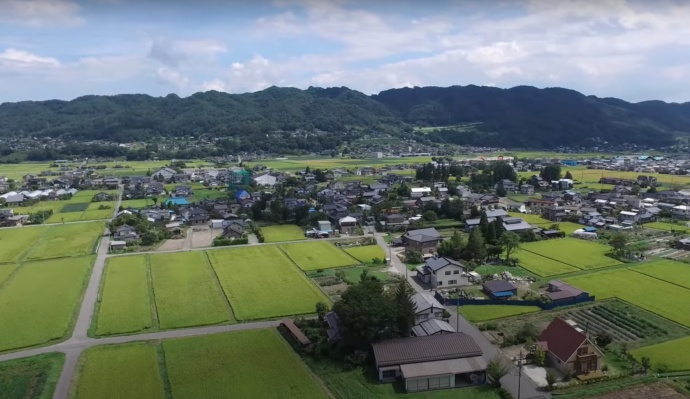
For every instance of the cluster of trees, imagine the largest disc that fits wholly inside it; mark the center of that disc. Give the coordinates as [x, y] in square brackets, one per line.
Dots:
[486, 241]
[490, 174]
[440, 172]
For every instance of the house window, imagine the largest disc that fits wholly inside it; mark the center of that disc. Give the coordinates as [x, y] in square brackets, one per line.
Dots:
[388, 374]
[439, 283]
[582, 351]
[456, 271]
[438, 314]
[447, 272]
[451, 282]
[424, 316]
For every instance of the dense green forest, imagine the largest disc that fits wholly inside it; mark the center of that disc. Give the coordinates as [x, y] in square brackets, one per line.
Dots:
[320, 119]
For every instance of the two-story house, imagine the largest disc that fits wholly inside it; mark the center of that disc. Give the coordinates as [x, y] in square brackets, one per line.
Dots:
[443, 272]
[569, 348]
[125, 233]
[424, 240]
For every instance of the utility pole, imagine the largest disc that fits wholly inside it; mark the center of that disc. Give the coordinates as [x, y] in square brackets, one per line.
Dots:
[519, 359]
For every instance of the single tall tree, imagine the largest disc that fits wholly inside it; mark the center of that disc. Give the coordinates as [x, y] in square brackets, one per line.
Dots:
[496, 369]
[490, 237]
[568, 175]
[618, 242]
[476, 248]
[483, 223]
[404, 309]
[510, 242]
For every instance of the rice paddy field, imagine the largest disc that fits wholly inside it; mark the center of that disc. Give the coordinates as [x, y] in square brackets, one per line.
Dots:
[367, 253]
[39, 301]
[137, 203]
[30, 378]
[667, 226]
[317, 255]
[673, 355]
[480, 313]
[186, 292]
[214, 365]
[262, 282]
[300, 163]
[667, 270]
[120, 372]
[66, 240]
[575, 252]
[285, 232]
[125, 304]
[542, 266]
[647, 292]
[15, 242]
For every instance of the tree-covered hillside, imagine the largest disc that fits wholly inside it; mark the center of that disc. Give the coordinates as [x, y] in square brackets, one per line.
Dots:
[518, 117]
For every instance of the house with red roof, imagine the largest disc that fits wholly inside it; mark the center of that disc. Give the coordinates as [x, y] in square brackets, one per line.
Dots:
[569, 348]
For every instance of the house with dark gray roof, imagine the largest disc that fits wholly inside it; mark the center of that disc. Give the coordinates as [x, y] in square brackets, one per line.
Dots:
[432, 327]
[424, 240]
[437, 361]
[441, 272]
[499, 289]
[426, 307]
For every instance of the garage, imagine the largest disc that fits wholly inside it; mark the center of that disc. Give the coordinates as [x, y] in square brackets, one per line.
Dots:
[429, 383]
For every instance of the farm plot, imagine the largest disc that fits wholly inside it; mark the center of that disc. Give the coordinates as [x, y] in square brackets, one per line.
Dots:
[542, 266]
[38, 305]
[137, 203]
[646, 292]
[67, 240]
[317, 255]
[6, 271]
[667, 270]
[186, 291]
[214, 365]
[75, 207]
[367, 253]
[575, 252]
[120, 372]
[32, 377]
[262, 283]
[15, 242]
[286, 232]
[125, 305]
[479, 313]
[666, 226]
[670, 355]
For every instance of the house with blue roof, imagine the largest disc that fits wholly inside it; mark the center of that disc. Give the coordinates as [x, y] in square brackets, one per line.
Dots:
[242, 195]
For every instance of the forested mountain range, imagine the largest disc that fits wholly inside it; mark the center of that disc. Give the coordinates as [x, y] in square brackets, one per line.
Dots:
[518, 117]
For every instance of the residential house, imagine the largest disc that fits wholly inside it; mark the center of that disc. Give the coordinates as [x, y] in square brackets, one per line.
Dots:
[424, 240]
[333, 330]
[681, 211]
[569, 349]
[14, 199]
[198, 216]
[432, 327]
[559, 291]
[417, 192]
[111, 183]
[182, 191]
[348, 225]
[164, 173]
[102, 196]
[378, 187]
[242, 195]
[443, 272]
[508, 185]
[515, 225]
[266, 180]
[234, 230]
[325, 227]
[427, 307]
[499, 289]
[438, 361]
[125, 233]
[527, 189]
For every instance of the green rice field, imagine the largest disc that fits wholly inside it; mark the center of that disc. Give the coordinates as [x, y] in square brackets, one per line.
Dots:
[125, 305]
[15, 242]
[542, 266]
[263, 282]
[638, 289]
[214, 365]
[186, 291]
[120, 372]
[67, 240]
[39, 303]
[317, 255]
[366, 254]
[6, 271]
[479, 313]
[30, 378]
[667, 226]
[673, 355]
[575, 252]
[285, 232]
[137, 203]
[667, 270]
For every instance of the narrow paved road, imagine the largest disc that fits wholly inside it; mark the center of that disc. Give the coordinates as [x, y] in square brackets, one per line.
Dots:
[510, 382]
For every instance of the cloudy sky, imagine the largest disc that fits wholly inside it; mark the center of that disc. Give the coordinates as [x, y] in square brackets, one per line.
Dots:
[635, 50]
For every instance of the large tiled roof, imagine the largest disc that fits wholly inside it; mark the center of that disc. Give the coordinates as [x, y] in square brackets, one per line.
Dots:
[425, 349]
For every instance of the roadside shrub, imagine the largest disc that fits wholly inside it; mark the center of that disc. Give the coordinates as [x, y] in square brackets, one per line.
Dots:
[504, 394]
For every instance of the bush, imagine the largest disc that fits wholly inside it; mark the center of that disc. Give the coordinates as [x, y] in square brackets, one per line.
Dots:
[222, 241]
[504, 394]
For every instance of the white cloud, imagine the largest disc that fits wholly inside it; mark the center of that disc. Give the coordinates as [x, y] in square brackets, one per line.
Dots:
[215, 84]
[40, 13]
[23, 59]
[171, 76]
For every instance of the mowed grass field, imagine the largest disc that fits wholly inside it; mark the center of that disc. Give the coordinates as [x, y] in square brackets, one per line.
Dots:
[38, 304]
[649, 293]
[673, 355]
[30, 378]
[263, 282]
[479, 313]
[15, 242]
[367, 253]
[317, 255]
[120, 372]
[286, 232]
[244, 364]
[186, 291]
[67, 240]
[125, 304]
[542, 266]
[581, 254]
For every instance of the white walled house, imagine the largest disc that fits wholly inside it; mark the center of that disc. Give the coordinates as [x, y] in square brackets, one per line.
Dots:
[444, 272]
[426, 307]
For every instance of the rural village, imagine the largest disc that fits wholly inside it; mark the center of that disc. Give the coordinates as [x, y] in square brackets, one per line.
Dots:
[482, 277]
